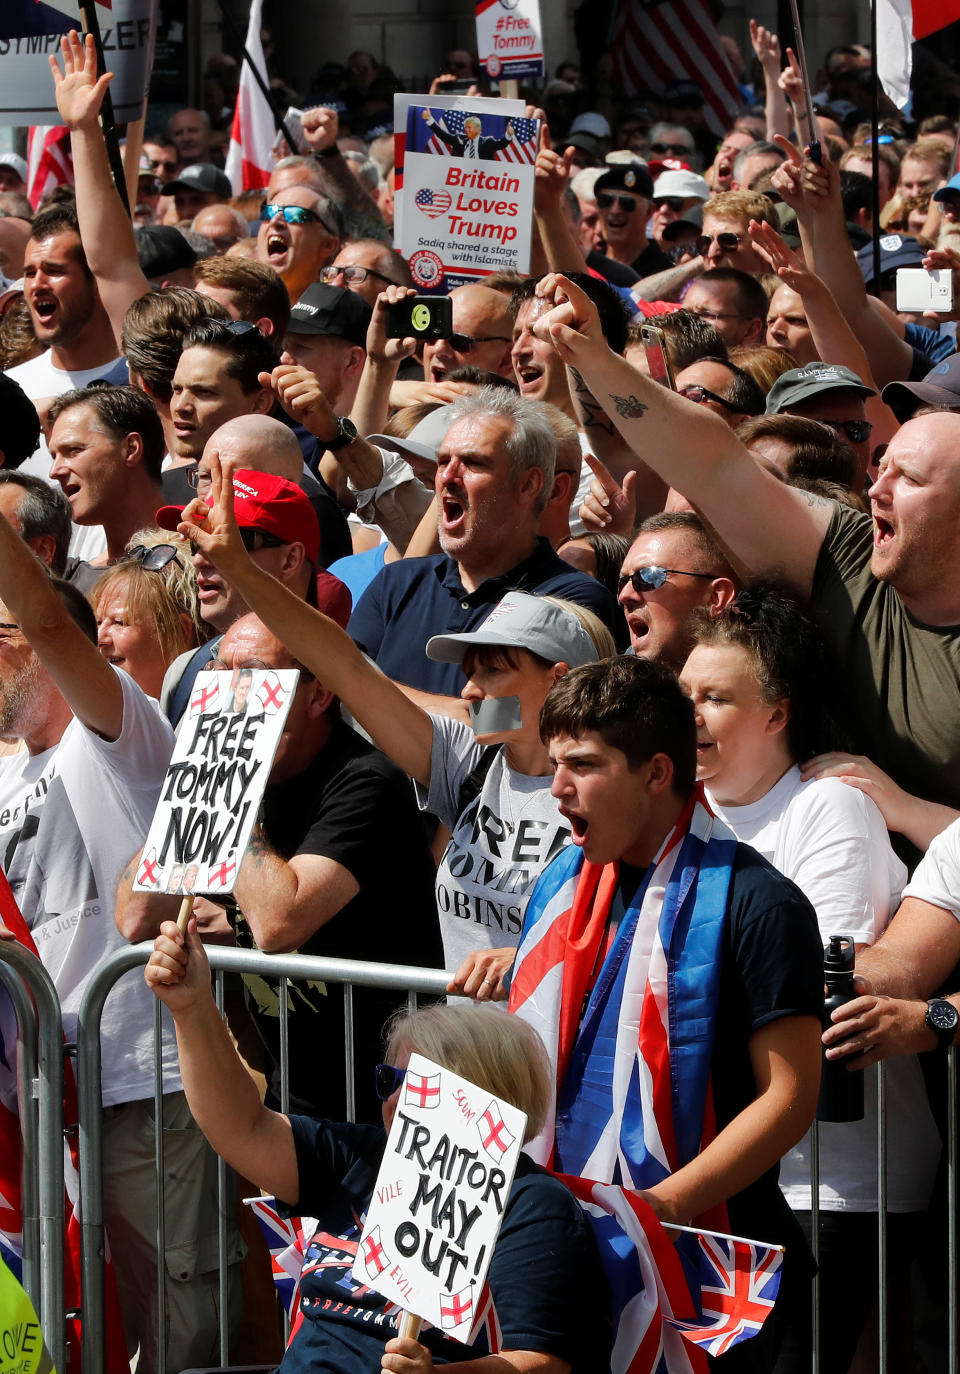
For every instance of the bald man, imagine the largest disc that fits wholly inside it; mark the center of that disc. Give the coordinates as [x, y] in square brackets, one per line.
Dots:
[222, 225]
[483, 334]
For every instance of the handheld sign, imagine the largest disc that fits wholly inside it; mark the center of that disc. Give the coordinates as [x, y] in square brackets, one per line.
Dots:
[440, 1197]
[466, 198]
[215, 781]
[509, 42]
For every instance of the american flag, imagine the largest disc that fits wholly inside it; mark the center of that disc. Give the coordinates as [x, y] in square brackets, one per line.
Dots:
[739, 1282]
[659, 41]
[433, 203]
[522, 147]
[49, 163]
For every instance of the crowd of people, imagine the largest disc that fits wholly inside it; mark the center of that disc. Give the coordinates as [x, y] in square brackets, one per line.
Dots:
[628, 646]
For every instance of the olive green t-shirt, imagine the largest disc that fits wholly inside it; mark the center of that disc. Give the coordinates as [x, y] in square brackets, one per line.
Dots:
[899, 678]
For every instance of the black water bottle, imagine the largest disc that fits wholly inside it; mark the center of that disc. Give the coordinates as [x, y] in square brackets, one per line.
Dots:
[841, 1091]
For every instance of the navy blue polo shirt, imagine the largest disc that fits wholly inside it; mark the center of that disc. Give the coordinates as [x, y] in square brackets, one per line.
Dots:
[409, 601]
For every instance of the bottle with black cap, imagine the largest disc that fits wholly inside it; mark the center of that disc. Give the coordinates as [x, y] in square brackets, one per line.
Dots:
[841, 1089]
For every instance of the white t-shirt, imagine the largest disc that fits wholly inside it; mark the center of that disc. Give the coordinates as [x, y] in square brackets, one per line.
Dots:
[71, 818]
[40, 379]
[831, 840]
[499, 845]
[937, 876]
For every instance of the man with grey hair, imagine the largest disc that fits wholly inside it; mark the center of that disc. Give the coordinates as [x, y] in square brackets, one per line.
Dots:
[40, 514]
[753, 162]
[495, 469]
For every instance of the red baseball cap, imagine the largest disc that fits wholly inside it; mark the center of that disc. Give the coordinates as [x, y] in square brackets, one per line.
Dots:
[263, 501]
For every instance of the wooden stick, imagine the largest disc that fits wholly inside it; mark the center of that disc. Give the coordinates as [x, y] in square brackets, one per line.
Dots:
[186, 910]
[409, 1326]
[510, 90]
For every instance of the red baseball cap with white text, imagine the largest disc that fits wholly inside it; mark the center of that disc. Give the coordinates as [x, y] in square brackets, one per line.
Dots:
[263, 501]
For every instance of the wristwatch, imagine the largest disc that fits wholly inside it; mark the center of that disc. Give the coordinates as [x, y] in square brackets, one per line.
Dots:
[943, 1018]
[346, 433]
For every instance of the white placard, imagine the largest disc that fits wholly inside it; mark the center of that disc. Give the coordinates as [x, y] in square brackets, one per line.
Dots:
[440, 1197]
[509, 38]
[464, 201]
[215, 781]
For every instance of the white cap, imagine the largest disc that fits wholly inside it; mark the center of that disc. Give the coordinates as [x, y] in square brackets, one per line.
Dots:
[681, 184]
[591, 123]
[522, 621]
[16, 162]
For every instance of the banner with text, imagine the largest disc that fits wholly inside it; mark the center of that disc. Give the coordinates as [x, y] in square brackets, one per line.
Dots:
[215, 780]
[466, 199]
[31, 32]
[509, 38]
[440, 1197]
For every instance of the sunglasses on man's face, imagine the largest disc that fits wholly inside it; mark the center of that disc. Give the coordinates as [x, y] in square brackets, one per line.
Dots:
[674, 203]
[651, 578]
[727, 242]
[662, 148]
[292, 214]
[387, 1080]
[856, 431]
[699, 394]
[606, 201]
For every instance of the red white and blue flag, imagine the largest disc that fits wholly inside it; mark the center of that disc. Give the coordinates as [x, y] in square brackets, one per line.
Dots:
[521, 148]
[285, 1241]
[49, 161]
[739, 1282]
[433, 203]
[249, 160]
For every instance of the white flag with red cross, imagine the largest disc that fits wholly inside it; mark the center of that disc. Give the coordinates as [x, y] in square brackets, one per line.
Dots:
[148, 875]
[206, 694]
[421, 1090]
[494, 1136]
[271, 693]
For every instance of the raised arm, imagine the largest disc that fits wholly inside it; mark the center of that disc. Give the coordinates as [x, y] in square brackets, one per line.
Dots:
[223, 1098]
[360, 213]
[384, 356]
[766, 45]
[771, 528]
[398, 727]
[551, 178]
[105, 229]
[85, 679]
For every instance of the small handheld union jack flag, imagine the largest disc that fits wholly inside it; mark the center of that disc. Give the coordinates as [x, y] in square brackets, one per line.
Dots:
[206, 695]
[494, 1136]
[433, 203]
[421, 1090]
[739, 1282]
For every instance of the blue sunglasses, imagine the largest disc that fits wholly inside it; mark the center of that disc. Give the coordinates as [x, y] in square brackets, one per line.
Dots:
[387, 1080]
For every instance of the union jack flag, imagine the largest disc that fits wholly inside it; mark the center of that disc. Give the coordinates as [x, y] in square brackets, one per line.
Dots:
[433, 203]
[739, 1282]
[521, 148]
[285, 1241]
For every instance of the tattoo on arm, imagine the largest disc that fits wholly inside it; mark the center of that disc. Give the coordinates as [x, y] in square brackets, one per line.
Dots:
[592, 413]
[630, 407]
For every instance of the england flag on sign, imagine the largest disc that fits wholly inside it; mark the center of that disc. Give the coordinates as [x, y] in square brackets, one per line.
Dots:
[149, 874]
[494, 1136]
[271, 695]
[375, 1258]
[205, 696]
[456, 1308]
[421, 1090]
[222, 873]
[739, 1282]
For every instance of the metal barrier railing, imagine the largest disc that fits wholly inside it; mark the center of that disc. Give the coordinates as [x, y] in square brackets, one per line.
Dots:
[43, 1190]
[349, 972]
[41, 1051]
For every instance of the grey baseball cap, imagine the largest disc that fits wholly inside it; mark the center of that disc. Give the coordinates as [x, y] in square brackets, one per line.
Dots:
[522, 621]
[200, 176]
[801, 383]
[423, 440]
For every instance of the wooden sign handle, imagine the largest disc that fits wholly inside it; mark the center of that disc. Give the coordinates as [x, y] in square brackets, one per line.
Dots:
[410, 1325]
[186, 909]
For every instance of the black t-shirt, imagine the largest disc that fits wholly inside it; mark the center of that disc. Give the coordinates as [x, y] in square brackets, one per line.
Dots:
[652, 259]
[353, 806]
[545, 1275]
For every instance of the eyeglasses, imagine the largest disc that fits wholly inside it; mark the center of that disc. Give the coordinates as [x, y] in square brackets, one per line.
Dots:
[652, 576]
[699, 394]
[674, 203]
[466, 343]
[387, 1080]
[857, 431]
[726, 241]
[152, 559]
[355, 274]
[606, 201]
[669, 148]
[703, 314]
[294, 214]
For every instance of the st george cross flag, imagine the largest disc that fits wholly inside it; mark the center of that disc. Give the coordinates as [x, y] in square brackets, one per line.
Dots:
[739, 1282]
[656, 42]
[494, 1136]
[421, 1089]
[899, 22]
[249, 159]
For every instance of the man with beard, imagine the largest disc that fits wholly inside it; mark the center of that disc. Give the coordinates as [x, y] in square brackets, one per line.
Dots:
[495, 470]
[73, 804]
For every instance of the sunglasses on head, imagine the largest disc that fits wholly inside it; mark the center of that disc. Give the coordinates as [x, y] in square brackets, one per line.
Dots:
[652, 576]
[293, 214]
[857, 431]
[606, 201]
[355, 274]
[152, 558]
[727, 241]
[387, 1080]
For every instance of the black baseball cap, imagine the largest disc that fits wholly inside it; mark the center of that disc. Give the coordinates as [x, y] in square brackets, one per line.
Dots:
[896, 250]
[200, 176]
[626, 176]
[161, 249]
[331, 311]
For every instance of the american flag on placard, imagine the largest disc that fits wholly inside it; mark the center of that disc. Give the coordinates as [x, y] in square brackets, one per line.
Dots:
[433, 203]
[522, 147]
[739, 1282]
[659, 41]
[49, 163]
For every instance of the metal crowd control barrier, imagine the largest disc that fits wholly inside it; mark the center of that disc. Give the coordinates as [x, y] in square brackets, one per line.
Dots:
[41, 1077]
[40, 1033]
[349, 972]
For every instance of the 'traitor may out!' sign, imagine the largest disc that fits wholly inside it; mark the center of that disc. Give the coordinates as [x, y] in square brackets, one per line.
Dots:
[440, 1197]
